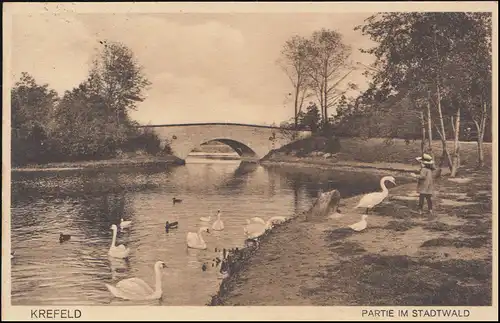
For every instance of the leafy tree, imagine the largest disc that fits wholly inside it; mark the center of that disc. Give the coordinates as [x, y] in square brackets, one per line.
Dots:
[426, 55]
[118, 79]
[311, 119]
[32, 106]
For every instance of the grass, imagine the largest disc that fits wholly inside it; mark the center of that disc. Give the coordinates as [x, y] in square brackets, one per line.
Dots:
[374, 150]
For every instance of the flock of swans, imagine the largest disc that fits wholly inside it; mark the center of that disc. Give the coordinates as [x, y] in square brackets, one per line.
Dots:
[137, 289]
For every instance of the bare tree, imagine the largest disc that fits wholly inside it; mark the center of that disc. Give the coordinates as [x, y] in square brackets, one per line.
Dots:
[294, 64]
[328, 67]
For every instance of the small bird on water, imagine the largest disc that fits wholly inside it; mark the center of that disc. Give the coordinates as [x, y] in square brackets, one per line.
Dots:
[204, 267]
[172, 225]
[64, 237]
[175, 200]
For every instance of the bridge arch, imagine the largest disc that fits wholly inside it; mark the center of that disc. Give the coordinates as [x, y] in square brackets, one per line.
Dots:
[249, 141]
[240, 148]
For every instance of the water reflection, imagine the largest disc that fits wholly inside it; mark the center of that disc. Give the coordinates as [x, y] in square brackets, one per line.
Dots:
[84, 203]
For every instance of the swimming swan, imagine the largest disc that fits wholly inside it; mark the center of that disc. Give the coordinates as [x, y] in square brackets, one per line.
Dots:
[195, 240]
[258, 227]
[361, 225]
[370, 200]
[273, 220]
[218, 225]
[206, 218]
[125, 224]
[117, 251]
[138, 289]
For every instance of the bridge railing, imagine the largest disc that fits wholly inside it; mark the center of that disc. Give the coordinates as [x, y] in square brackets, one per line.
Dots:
[217, 124]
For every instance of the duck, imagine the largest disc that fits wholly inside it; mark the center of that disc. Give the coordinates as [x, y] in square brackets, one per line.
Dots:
[370, 200]
[218, 225]
[175, 200]
[138, 289]
[195, 240]
[64, 237]
[361, 225]
[12, 254]
[173, 225]
[125, 224]
[117, 251]
[204, 267]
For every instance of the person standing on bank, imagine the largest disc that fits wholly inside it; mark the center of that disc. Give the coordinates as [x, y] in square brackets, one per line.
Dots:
[425, 186]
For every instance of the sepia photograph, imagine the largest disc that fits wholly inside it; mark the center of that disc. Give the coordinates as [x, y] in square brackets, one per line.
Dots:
[221, 158]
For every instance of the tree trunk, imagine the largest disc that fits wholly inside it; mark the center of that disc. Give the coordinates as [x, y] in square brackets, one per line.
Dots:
[297, 89]
[481, 127]
[445, 157]
[422, 121]
[456, 144]
[429, 123]
[480, 153]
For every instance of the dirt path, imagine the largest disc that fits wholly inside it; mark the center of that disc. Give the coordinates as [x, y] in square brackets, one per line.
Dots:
[402, 258]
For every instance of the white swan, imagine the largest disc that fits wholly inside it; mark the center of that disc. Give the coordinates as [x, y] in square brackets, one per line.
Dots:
[117, 251]
[125, 224]
[273, 220]
[218, 225]
[370, 200]
[206, 218]
[256, 226]
[255, 230]
[361, 225]
[137, 289]
[195, 240]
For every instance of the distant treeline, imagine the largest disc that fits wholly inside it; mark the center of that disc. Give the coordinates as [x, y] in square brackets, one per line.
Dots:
[90, 122]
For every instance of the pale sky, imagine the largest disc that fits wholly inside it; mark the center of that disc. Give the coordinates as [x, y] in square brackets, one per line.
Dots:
[203, 67]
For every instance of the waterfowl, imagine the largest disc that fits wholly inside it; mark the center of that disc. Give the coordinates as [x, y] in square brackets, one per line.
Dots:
[361, 225]
[12, 254]
[64, 237]
[204, 267]
[125, 224]
[195, 240]
[251, 243]
[206, 218]
[368, 201]
[218, 225]
[255, 230]
[138, 289]
[175, 200]
[172, 225]
[117, 251]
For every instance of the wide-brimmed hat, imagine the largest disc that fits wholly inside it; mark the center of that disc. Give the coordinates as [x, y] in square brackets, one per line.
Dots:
[426, 159]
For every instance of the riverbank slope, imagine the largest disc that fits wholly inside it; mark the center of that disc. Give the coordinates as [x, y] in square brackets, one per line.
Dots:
[402, 258]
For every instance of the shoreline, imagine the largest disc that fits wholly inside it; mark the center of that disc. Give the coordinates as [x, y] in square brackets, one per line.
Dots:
[448, 257]
[94, 164]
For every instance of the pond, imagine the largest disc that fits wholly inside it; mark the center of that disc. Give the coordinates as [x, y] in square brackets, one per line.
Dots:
[85, 203]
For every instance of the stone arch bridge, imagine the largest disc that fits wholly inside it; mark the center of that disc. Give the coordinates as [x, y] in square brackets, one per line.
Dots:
[251, 142]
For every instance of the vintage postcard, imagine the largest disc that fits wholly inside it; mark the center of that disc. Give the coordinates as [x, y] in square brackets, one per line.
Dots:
[257, 161]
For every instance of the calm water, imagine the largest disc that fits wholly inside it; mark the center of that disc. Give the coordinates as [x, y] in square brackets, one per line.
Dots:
[84, 203]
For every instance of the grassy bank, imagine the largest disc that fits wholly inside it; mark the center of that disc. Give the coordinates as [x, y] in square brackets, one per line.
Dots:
[402, 258]
[135, 161]
[372, 152]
